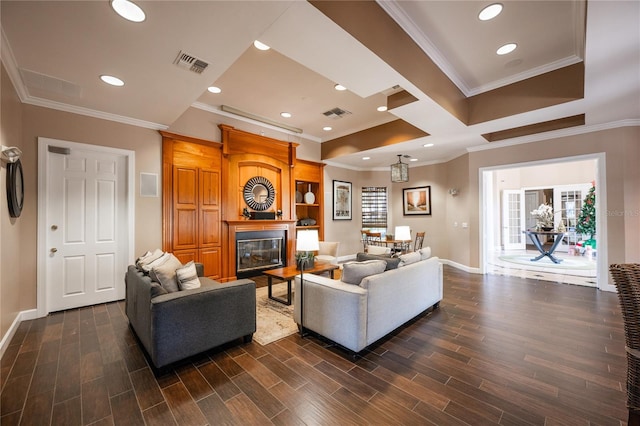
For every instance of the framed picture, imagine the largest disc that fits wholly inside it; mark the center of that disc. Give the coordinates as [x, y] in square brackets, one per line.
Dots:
[341, 200]
[416, 201]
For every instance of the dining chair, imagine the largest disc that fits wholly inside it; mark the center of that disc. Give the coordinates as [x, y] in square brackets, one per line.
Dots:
[371, 239]
[417, 245]
[627, 281]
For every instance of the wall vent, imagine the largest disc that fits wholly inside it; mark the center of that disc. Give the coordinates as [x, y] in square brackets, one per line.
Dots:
[336, 113]
[190, 62]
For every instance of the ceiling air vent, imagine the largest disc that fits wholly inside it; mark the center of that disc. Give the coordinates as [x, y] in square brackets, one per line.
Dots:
[190, 62]
[336, 113]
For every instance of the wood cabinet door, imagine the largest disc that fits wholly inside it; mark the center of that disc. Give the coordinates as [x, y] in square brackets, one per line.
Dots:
[209, 206]
[185, 208]
[211, 258]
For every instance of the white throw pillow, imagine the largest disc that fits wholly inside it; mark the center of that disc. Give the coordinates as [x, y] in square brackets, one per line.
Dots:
[378, 250]
[409, 258]
[165, 272]
[425, 253]
[144, 262]
[188, 277]
[354, 272]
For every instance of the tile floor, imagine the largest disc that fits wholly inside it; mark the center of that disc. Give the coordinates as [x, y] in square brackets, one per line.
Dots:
[583, 277]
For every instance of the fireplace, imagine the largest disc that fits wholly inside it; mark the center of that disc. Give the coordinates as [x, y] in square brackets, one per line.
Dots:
[257, 251]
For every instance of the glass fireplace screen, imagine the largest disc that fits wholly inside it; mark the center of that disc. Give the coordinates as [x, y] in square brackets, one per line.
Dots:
[259, 253]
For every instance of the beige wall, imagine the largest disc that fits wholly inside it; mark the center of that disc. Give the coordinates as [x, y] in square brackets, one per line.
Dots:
[16, 275]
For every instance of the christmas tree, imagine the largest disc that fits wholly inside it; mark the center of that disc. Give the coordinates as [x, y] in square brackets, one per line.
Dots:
[587, 218]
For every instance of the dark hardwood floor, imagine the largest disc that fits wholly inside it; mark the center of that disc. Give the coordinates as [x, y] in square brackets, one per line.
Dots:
[500, 350]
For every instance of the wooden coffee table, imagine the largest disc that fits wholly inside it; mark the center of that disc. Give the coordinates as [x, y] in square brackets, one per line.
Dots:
[288, 273]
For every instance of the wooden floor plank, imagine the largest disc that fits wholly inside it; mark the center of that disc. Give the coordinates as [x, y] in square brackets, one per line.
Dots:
[499, 350]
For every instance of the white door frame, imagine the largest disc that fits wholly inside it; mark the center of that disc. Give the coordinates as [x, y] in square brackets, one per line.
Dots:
[43, 172]
[602, 258]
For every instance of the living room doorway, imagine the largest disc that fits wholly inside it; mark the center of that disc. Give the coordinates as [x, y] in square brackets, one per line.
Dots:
[518, 187]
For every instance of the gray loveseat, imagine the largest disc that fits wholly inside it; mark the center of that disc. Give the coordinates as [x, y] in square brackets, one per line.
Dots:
[355, 316]
[176, 325]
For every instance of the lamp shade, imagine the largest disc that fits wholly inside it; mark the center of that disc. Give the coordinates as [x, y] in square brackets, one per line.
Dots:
[307, 240]
[400, 171]
[402, 233]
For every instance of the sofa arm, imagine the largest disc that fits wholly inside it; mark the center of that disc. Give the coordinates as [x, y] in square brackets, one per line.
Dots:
[333, 309]
[191, 321]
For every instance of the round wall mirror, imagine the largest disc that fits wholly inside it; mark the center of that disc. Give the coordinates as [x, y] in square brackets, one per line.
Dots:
[15, 188]
[259, 193]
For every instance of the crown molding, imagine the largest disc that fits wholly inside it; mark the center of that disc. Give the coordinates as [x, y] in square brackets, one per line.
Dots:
[10, 64]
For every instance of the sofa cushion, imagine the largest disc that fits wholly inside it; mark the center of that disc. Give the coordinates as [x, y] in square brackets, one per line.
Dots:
[378, 250]
[392, 262]
[354, 272]
[188, 277]
[157, 289]
[165, 272]
[144, 262]
[409, 258]
[425, 253]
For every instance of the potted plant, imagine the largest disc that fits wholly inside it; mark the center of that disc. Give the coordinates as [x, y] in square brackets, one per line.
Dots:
[306, 257]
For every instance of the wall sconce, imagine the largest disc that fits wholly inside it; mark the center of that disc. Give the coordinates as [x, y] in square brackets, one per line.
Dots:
[454, 191]
[11, 154]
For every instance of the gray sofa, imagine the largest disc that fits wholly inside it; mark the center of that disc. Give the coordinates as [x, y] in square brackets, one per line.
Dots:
[176, 325]
[355, 316]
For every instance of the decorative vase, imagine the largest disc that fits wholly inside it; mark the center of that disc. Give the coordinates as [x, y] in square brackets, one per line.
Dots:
[298, 197]
[309, 198]
[547, 228]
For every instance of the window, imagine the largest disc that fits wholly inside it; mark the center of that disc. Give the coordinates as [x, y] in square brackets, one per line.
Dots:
[374, 208]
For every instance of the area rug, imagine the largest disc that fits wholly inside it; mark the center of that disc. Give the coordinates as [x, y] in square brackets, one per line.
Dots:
[567, 263]
[274, 319]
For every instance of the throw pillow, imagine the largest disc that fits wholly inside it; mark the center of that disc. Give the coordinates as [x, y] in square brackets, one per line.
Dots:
[188, 276]
[378, 250]
[409, 258]
[392, 262]
[354, 272]
[146, 263]
[165, 273]
[425, 253]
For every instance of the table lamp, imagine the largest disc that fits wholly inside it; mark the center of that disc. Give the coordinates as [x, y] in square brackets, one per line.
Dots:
[306, 242]
[403, 233]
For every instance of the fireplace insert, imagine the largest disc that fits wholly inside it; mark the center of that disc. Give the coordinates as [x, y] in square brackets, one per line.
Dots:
[257, 251]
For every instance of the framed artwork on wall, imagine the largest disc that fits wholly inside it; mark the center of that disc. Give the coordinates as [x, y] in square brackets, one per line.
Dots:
[342, 192]
[416, 201]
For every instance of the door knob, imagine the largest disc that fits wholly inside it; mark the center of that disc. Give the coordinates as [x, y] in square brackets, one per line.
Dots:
[53, 250]
[54, 227]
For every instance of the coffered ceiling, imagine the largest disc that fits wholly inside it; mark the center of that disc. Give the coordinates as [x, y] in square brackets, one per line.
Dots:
[435, 59]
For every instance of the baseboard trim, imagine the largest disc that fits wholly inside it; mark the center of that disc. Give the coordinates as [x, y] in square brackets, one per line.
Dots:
[461, 266]
[22, 316]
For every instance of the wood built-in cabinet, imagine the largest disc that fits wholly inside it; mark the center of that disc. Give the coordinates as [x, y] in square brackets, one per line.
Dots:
[192, 201]
[308, 178]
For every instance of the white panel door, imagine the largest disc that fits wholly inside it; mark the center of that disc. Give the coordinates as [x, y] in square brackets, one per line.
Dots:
[567, 202]
[86, 228]
[513, 220]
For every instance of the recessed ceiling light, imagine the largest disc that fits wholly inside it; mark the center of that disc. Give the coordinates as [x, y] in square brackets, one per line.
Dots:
[285, 114]
[128, 10]
[214, 89]
[260, 46]
[427, 145]
[339, 87]
[507, 48]
[414, 159]
[366, 158]
[382, 108]
[327, 128]
[114, 81]
[490, 12]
